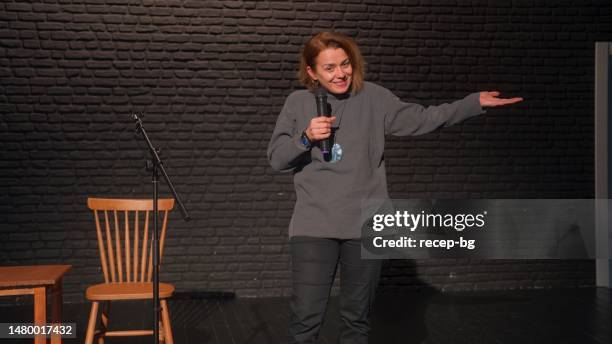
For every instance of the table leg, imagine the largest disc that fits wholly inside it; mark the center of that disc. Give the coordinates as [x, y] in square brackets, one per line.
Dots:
[56, 312]
[40, 311]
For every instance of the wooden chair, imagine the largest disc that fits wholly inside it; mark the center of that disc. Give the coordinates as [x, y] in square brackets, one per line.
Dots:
[126, 255]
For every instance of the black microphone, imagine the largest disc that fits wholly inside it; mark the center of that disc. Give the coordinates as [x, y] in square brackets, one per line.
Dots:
[323, 110]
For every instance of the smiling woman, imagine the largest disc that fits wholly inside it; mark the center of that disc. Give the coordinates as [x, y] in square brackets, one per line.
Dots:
[325, 229]
[333, 70]
[331, 57]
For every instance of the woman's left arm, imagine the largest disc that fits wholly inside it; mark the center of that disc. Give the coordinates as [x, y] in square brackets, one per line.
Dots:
[413, 119]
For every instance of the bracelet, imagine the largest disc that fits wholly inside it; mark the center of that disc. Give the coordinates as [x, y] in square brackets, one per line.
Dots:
[305, 141]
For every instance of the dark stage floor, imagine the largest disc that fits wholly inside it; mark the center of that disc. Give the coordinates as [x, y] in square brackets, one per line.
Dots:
[540, 316]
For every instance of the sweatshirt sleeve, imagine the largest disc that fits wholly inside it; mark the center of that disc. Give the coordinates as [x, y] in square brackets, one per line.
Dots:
[284, 149]
[413, 119]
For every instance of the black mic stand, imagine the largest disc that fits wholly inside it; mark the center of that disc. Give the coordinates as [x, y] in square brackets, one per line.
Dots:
[156, 165]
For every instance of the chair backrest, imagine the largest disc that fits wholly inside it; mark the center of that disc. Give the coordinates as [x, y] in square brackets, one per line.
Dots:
[126, 250]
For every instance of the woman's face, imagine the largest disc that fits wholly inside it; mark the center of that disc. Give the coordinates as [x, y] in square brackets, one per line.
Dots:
[333, 70]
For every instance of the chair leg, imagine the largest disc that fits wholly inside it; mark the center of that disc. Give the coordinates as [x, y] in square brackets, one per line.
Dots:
[162, 335]
[166, 323]
[91, 325]
[104, 321]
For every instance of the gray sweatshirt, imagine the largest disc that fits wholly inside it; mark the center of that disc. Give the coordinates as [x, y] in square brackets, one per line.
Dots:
[330, 194]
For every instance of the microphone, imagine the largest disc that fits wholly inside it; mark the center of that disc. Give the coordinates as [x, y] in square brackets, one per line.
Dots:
[323, 110]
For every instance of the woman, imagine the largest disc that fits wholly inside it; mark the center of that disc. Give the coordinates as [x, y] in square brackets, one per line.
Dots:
[325, 227]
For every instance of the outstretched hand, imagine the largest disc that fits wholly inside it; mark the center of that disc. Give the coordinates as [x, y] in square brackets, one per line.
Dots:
[489, 99]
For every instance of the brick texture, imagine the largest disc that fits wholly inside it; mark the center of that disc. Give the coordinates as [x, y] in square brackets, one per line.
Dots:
[210, 78]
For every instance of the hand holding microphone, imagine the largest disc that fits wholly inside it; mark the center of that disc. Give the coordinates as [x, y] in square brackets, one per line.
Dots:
[320, 128]
[323, 110]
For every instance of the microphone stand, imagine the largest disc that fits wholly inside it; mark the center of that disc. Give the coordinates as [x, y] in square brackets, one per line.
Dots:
[156, 165]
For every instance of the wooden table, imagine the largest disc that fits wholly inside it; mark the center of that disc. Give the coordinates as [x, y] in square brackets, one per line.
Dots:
[37, 280]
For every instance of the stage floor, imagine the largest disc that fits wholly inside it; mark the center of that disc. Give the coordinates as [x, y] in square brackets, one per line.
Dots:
[535, 316]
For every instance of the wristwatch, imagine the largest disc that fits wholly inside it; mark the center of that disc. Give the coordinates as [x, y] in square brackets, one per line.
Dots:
[305, 141]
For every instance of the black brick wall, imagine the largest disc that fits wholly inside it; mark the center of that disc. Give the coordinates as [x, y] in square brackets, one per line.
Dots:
[211, 77]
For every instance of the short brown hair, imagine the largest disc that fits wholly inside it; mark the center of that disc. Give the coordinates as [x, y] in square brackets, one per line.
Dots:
[322, 41]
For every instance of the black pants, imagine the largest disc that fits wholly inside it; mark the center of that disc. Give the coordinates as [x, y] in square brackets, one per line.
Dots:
[314, 263]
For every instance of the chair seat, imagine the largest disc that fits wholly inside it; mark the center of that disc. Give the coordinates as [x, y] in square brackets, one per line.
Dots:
[127, 291]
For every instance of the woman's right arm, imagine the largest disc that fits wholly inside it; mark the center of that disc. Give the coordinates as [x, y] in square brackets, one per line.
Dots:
[285, 148]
